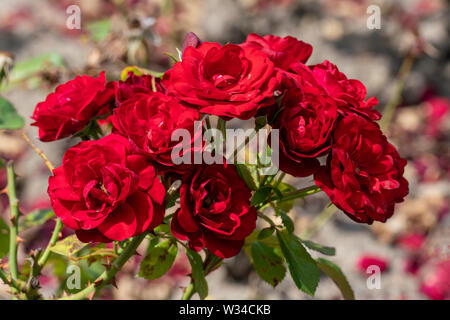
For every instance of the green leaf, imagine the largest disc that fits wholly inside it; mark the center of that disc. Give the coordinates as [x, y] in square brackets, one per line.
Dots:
[35, 218]
[329, 251]
[260, 195]
[287, 221]
[265, 233]
[271, 241]
[338, 277]
[158, 260]
[302, 267]
[28, 70]
[198, 275]
[268, 263]
[99, 30]
[9, 118]
[68, 246]
[29, 67]
[245, 174]
[4, 238]
[162, 228]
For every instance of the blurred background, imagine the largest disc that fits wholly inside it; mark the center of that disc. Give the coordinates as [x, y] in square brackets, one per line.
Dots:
[405, 64]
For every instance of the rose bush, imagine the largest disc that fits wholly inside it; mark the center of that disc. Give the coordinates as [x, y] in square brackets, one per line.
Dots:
[117, 186]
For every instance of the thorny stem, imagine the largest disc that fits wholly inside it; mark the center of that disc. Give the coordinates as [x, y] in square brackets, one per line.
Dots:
[55, 236]
[211, 261]
[189, 292]
[298, 193]
[14, 214]
[222, 126]
[280, 179]
[108, 275]
[18, 284]
[39, 152]
[396, 98]
[319, 221]
[58, 226]
[292, 195]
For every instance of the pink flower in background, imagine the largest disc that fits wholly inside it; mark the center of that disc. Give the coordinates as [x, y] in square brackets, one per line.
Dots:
[367, 260]
[412, 241]
[436, 108]
[436, 285]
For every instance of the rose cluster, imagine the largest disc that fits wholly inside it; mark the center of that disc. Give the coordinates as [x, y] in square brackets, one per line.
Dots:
[114, 188]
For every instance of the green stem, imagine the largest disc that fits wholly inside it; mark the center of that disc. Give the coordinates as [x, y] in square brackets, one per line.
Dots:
[293, 195]
[55, 235]
[319, 221]
[280, 179]
[189, 292]
[208, 123]
[389, 110]
[4, 277]
[240, 147]
[107, 276]
[14, 213]
[18, 284]
[272, 224]
[300, 193]
[222, 126]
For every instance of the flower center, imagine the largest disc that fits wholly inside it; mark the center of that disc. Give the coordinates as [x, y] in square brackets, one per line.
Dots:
[222, 81]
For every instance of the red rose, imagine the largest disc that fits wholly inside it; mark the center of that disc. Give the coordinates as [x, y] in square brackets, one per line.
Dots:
[135, 84]
[364, 172]
[350, 94]
[228, 81]
[148, 121]
[305, 125]
[71, 107]
[282, 51]
[215, 210]
[106, 193]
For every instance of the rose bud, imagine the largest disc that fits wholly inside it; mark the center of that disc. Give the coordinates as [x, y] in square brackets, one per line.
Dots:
[191, 40]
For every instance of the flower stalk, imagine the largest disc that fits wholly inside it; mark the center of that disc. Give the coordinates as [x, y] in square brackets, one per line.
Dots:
[14, 227]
